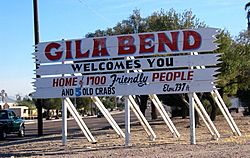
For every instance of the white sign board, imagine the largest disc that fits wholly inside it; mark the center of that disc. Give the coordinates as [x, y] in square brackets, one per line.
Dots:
[141, 79]
[156, 82]
[133, 64]
[123, 89]
[142, 44]
[95, 66]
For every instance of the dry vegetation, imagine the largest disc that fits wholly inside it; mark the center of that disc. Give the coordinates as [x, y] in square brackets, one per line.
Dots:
[110, 145]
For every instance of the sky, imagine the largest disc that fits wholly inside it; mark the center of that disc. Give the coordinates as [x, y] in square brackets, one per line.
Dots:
[73, 19]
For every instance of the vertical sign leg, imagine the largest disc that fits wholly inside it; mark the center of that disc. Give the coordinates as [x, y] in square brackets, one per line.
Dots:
[127, 122]
[64, 122]
[192, 118]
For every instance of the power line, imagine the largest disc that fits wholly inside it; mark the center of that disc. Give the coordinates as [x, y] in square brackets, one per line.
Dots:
[83, 2]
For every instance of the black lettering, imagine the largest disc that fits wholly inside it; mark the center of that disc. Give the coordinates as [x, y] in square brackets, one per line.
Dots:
[86, 67]
[137, 64]
[119, 65]
[93, 68]
[105, 90]
[76, 67]
[169, 61]
[109, 66]
[102, 66]
[67, 92]
[160, 62]
[63, 92]
[87, 91]
[129, 64]
[113, 90]
[150, 62]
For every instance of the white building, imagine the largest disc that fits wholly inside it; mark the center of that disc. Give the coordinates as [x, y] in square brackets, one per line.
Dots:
[21, 111]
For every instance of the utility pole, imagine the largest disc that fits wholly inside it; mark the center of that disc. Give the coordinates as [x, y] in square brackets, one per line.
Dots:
[39, 101]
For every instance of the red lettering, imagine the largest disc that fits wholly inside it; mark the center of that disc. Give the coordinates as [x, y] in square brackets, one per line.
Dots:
[100, 43]
[48, 53]
[55, 82]
[190, 75]
[60, 82]
[169, 76]
[79, 54]
[126, 45]
[173, 76]
[146, 41]
[68, 81]
[164, 40]
[74, 83]
[162, 75]
[155, 76]
[177, 75]
[187, 45]
[183, 76]
[68, 50]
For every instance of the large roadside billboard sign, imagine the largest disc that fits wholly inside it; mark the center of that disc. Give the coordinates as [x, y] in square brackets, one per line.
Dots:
[102, 66]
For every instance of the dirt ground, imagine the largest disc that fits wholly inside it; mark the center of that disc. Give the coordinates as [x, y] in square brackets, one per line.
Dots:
[110, 145]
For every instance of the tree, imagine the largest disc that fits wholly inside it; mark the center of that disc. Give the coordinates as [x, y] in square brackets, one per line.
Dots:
[158, 21]
[248, 14]
[26, 101]
[228, 71]
[235, 69]
[52, 104]
[243, 49]
[83, 105]
[3, 96]
[171, 20]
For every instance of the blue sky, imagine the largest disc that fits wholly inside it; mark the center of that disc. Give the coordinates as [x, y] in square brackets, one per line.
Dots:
[69, 19]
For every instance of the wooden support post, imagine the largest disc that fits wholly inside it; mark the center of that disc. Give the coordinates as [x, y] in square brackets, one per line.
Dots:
[223, 112]
[107, 115]
[223, 108]
[201, 107]
[64, 122]
[141, 118]
[228, 113]
[161, 110]
[79, 121]
[127, 122]
[204, 120]
[192, 118]
[176, 133]
[164, 115]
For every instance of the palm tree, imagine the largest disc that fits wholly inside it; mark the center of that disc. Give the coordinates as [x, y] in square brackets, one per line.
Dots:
[3, 96]
[247, 5]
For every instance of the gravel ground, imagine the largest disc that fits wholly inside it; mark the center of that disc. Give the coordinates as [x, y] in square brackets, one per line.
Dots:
[110, 145]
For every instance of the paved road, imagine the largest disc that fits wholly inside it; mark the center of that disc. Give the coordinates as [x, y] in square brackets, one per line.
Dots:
[52, 127]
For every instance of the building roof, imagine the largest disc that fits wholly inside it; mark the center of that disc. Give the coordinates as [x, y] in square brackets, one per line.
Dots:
[19, 107]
